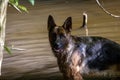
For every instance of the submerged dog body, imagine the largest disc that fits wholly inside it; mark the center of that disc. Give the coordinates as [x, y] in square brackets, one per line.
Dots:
[77, 56]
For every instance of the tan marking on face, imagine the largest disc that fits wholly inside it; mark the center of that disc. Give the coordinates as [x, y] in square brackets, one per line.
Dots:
[59, 30]
[56, 28]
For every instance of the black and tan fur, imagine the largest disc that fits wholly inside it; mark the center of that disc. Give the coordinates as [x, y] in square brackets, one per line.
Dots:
[87, 55]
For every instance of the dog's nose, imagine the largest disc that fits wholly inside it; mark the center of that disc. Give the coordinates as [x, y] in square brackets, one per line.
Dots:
[57, 45]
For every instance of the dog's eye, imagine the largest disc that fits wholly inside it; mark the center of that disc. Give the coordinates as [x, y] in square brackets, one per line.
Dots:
[54, 35]
[62, 36]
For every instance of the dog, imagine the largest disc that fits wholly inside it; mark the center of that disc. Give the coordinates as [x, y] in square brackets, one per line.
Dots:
[85, 55]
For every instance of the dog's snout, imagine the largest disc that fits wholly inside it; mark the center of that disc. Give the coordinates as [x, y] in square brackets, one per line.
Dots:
[57, 45]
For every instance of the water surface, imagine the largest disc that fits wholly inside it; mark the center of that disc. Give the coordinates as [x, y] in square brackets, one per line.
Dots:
[29, 32]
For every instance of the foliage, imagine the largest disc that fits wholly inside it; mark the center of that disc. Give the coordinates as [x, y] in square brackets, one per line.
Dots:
[20, 8]
[32, 2]
[7, 49]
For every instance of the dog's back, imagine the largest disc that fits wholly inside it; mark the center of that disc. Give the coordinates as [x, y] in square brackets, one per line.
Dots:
[100, 56]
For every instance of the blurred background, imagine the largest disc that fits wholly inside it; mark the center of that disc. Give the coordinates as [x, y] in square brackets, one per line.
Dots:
[26, 33]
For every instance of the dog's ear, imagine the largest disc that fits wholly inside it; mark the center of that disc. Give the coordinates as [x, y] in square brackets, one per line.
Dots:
[68, 24]
[51, 23]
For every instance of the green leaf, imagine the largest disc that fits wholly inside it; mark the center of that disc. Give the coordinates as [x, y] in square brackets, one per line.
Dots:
[20, 8]
[23, 8]
[32, 2]
[16, 7]
[14, 2]
[7, 49]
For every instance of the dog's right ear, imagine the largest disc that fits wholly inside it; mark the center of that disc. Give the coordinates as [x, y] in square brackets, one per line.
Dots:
[68, 24]
[51, 23]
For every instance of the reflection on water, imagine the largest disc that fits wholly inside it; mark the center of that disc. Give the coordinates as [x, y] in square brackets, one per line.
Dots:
[29, 32]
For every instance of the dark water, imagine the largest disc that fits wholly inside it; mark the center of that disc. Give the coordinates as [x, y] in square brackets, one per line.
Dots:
[29, 32]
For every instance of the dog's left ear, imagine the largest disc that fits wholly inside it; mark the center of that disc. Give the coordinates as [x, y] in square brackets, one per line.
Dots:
[68, 24]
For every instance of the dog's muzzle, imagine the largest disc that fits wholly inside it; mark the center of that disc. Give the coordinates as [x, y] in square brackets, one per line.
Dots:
[58, 47]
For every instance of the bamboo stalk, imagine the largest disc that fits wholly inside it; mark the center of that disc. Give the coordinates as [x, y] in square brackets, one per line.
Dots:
[3, 12]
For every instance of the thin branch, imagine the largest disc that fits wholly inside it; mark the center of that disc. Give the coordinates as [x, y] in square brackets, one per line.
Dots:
[113, 15]
[19, 49]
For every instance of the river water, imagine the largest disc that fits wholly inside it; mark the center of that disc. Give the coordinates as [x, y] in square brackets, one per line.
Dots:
[27, 35]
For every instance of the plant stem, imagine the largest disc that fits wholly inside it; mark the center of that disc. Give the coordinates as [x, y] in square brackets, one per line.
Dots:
[3, 12]
[113, 15]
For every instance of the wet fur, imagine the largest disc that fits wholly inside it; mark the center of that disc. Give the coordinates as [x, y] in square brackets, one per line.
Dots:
[87, 55]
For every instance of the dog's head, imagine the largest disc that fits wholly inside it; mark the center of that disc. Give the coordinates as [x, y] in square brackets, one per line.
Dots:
[59, 35]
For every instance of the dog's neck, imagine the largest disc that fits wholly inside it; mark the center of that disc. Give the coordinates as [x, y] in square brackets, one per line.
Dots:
[69, 49]
[70, 45]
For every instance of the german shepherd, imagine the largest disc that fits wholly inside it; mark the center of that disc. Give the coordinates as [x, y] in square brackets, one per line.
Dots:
[86, 55]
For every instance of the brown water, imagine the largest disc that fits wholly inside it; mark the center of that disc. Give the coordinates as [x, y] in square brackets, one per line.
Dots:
[29, 32]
